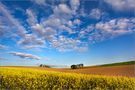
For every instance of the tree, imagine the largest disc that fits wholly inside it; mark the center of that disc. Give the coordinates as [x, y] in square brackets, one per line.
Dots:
[73, 66]
[77, 66]
[41, 65]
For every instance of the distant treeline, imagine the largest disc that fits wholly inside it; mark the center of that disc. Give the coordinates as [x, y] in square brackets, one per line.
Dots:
[43, 65]
[77, 66]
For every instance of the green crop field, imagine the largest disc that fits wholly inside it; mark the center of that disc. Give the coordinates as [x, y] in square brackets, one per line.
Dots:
[114, 64]
[12, 78]
[119, 63]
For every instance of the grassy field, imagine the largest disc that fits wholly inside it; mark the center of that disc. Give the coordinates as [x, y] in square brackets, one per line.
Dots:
[13, 78]
[118, 63]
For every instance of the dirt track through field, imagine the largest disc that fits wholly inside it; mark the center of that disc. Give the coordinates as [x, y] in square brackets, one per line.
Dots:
[123, 70]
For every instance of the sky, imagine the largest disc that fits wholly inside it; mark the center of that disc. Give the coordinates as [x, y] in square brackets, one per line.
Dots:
[66, 32]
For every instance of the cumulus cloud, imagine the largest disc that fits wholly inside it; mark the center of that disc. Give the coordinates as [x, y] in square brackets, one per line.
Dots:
[31, 41]
[68, 44]
[25, 55]
[46, 33]
[63, 12]
[52, 22]
[64, 8]
[49, 34]
[105, 30]
[116, 26]
[122, 5]
[65, 29]
[112, 28]
[70, 23]
[74, 5]
[77, 21]
[38, 29]
[95, 13]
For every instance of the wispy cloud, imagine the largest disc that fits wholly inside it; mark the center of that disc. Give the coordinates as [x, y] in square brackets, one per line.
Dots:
[2, 58]
[25, 55]
[3, 46]
[32, 18]
[9, 18]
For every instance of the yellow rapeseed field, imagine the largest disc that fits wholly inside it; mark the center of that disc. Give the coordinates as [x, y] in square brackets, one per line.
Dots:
[13, 78]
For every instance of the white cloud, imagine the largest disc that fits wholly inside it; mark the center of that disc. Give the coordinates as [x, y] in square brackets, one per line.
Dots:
[5, 27]
[68, 44]
[64, 28]
[9, 18]
[111, 29]
[122, 5]
[2, 31]
[3, 46]
[74, 5]
[95, 13]
[46, 33]
[61, 30]
[32, 18]
[77, 21]
[52, 22]
[64, 8]
[69, 23]
[105, 30]
[86, 31]
[31, 41]
[25, 55]
[63, 12]
[49, 34]
[39, 2]
[116, 26]
[38, 29]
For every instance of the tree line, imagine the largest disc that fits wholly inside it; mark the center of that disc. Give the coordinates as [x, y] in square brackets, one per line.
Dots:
[77, 66]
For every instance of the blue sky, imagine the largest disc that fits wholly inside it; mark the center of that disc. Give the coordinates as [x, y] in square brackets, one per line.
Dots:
[66, 32]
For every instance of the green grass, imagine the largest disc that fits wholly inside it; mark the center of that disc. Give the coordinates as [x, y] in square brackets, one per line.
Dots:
[119, 63]
[113, 64]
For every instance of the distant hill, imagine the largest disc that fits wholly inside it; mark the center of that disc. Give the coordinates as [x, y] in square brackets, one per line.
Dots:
[118, 63]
